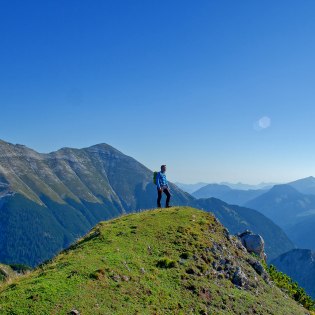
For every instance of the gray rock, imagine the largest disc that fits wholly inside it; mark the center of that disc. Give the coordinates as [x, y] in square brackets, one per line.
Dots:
[74, 312]
[239, 278]
[254, 243]
[259, 268]
[4, 273]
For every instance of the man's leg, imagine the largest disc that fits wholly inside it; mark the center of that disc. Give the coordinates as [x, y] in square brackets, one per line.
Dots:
[168, 197]
[159, 198]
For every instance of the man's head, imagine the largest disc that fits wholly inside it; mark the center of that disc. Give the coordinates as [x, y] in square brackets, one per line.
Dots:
[163, 168]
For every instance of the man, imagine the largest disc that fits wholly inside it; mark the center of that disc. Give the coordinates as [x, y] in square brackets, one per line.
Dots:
[162, 186]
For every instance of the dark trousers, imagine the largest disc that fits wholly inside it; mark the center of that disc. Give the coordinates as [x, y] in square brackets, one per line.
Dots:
[168, 197]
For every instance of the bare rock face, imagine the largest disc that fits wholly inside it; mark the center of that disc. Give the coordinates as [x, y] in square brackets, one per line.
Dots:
[254, 243]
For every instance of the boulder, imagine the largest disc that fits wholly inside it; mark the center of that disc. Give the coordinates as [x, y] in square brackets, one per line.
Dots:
[254, 243]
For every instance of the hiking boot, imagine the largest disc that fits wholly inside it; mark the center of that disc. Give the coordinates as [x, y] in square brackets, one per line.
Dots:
[168, 206]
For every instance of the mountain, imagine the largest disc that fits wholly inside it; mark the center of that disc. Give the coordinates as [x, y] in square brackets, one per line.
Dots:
[49, 200]
[291, 210]
[305, 185]
[302, 233]
[284, 204]
[226, 193]
[190, 188]
[299, 264]
[210, 190]
[238, 219]
[241, 186]
[174, 261]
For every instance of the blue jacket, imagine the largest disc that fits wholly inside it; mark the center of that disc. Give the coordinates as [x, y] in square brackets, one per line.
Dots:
[161, 180]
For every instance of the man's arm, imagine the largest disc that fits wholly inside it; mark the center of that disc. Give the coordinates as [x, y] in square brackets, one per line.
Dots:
[167, 183]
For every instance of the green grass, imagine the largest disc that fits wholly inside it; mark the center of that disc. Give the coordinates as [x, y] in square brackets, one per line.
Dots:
[153, 262]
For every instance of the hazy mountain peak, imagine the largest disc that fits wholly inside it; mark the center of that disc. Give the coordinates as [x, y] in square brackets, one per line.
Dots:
[283, 188]
[304, 185]
[309, 179]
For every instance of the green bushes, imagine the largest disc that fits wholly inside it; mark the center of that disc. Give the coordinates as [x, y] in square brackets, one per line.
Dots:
[166, 263]
[292, 288]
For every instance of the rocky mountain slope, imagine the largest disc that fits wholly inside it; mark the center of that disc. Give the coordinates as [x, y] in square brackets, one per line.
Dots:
[299, 264]
[49, 200]
[174, 261]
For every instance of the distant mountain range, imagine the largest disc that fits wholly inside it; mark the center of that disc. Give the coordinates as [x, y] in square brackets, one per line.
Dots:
[291, 205]
[191, 188]
[299, 264]
[305, 185]
[49, 200]
[226, 193]
[284, 204]
[241, 194]
[291, 210]
[241, 186]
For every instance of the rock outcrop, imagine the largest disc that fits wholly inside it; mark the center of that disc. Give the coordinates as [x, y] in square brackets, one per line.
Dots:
[254, 243]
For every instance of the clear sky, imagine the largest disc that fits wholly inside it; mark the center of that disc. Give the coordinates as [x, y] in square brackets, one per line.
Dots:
[217, 90]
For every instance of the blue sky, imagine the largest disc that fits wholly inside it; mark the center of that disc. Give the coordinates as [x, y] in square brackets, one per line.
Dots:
[217, 90]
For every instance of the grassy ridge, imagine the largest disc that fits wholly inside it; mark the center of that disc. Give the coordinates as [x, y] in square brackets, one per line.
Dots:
[154, 262]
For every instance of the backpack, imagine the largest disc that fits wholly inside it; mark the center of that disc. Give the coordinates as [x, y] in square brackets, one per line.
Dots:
[154, 177]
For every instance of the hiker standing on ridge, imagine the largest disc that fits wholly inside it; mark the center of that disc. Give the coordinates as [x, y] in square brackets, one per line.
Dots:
[162, 186]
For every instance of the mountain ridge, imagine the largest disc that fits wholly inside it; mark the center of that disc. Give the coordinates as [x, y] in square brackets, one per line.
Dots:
[68, 191]
[226, 193]
[170, 261]
[305, 185]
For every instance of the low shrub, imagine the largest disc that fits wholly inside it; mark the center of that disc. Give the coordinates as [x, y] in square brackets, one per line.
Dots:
[166, 263]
